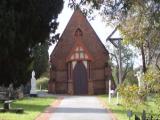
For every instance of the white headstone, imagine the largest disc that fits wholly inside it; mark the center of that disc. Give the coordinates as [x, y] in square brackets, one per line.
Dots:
[139, 77]
[33, 84]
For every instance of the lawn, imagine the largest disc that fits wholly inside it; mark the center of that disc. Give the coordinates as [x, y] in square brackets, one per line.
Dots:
[120, 110]
[32, 108]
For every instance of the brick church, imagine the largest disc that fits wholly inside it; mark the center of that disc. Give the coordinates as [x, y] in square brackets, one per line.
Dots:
[79, 62]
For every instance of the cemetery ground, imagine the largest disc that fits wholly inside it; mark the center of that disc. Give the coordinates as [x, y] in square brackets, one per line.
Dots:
[32, 106]
[120, 112]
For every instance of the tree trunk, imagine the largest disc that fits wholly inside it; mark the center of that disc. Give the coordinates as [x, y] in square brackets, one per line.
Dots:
[125, 72]
[117, 73]
[158, 67]
[143, 59]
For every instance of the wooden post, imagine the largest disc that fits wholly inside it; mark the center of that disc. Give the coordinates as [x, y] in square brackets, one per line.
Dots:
[109, 92]
[120, 62]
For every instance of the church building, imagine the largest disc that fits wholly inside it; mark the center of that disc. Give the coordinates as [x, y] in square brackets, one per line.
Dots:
[79, 62]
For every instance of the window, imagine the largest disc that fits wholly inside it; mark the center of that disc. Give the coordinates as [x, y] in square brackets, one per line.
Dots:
[81, 55]
[79, 52]
[78, 33]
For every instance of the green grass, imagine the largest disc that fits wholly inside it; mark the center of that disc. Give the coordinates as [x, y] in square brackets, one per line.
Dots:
[32, 108]
[120, 110]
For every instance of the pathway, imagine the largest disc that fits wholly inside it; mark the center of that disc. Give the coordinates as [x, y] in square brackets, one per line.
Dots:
[80, 108]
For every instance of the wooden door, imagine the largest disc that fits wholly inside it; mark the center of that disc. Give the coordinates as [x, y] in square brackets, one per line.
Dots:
[80, 79]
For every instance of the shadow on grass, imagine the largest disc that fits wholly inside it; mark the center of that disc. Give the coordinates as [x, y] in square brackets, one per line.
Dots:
[31, 104]
[124, 112]
[29, 107]
[39, 108]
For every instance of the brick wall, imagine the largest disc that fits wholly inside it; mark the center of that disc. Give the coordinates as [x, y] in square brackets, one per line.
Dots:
[94, 46]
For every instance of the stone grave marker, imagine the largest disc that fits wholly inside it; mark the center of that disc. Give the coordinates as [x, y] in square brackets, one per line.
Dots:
[33, 91]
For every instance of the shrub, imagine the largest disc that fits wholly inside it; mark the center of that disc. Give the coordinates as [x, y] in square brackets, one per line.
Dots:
[152, 85]
[42, 83]
[130, 96]
[152, 81]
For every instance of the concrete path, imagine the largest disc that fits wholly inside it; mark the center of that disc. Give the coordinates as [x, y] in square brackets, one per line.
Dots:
[80, 108]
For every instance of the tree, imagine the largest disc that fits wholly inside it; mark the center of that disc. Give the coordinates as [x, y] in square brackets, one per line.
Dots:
[113, 10]
[127, 62]
[24, 24]
[141, 28]
[40, 63]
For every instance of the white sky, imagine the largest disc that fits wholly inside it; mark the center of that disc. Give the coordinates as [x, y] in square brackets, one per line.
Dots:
[102, 30]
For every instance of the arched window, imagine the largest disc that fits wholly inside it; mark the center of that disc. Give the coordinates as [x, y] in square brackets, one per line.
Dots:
[78, 33]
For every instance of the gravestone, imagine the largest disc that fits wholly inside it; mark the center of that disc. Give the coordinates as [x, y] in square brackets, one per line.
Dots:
[33, 91]
[139, 75]
[20, 92]
[11, 94]
[3, 93]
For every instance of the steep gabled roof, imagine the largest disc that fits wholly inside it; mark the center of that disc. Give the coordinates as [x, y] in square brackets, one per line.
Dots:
[67, 40]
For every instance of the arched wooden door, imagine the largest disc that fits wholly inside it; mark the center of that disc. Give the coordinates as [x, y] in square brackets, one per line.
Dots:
[80, 79]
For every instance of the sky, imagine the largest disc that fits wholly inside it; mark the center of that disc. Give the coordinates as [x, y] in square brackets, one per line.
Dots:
[99, 26]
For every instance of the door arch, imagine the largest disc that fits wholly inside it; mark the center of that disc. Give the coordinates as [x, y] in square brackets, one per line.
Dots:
[80, 79]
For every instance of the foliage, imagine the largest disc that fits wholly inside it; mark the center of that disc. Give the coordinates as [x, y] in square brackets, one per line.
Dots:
[40, 54]
[151, 81]
[120, 110]
[113, 11]
[133, 95]
[131, 78]
[157, 101]
[141, 29]
[32, 108]
[24, 24]
[42, 83]
[130, 95]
